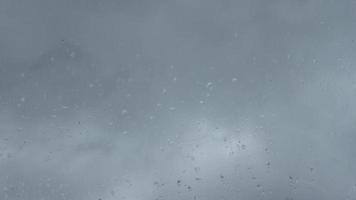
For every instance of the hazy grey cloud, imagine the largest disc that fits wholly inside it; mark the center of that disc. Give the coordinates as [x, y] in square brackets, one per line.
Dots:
[184, 99]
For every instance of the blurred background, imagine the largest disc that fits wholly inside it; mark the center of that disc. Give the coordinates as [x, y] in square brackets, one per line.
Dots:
[177, 99]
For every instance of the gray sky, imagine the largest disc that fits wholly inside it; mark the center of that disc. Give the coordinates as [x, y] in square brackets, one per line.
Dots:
[184, 99]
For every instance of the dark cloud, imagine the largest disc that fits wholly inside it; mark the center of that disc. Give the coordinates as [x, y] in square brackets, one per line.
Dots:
[172, 99]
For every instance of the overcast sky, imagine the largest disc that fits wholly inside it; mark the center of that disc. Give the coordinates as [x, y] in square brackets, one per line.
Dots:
[177, 99]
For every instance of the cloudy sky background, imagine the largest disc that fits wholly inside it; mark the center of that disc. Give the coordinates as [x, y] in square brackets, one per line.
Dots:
[177, 99]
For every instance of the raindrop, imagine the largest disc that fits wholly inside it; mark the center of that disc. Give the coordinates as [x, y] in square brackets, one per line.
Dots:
[268, 164]
[123, 112]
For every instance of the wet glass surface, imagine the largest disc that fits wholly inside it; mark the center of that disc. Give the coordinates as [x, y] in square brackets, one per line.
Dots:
[184, 99]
